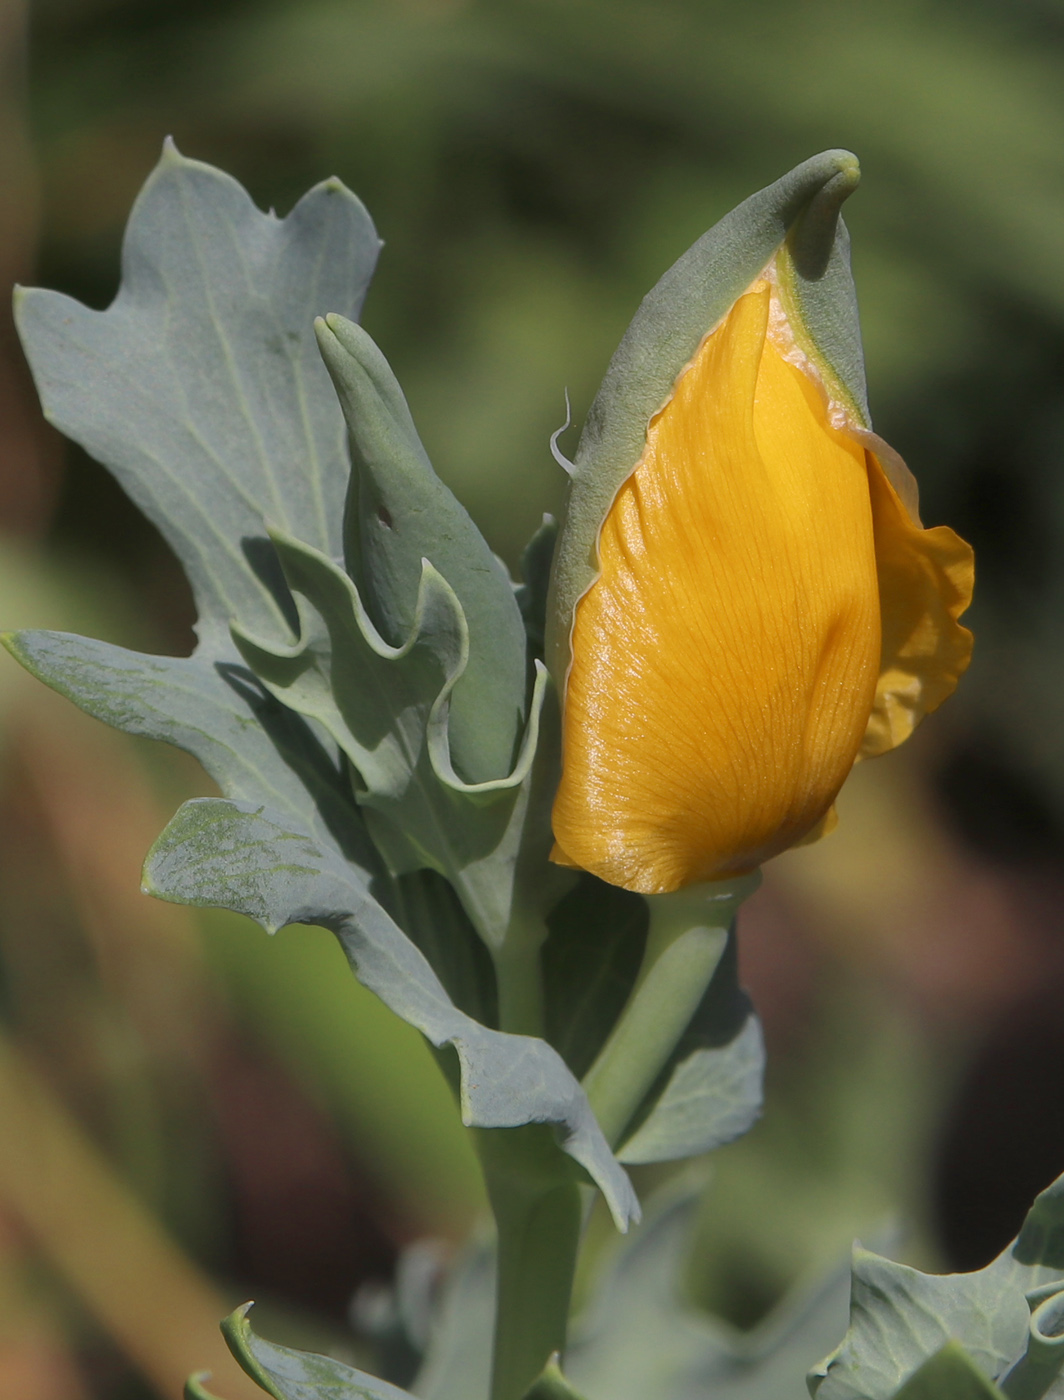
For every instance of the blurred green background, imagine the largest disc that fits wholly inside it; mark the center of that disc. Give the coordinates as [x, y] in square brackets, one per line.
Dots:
[191, 1114]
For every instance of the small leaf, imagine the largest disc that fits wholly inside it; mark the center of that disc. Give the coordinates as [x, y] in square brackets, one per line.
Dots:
[388, 708]
[400, 513]
[712, 1097]
[950, 1374]
[299, 1375]
[375, 699]
[239, 857]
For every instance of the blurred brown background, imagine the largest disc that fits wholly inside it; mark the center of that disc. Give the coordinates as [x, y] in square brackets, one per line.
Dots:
[191, 1114]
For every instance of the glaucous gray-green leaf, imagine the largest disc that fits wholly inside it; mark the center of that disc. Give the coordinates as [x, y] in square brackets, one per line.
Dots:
[255, 749]
[202, 389]
[710, 1092]
[686, 304]
[388, 708]
[400, 513]
[950, 1374]
[374, 698]
[900, 1318]
[237, 856]
[712, 1097]
[299, 1375]
[201, 386]
[640, 1337]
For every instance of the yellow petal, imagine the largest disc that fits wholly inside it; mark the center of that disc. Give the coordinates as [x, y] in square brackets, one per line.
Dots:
[925, 583]
[726, 659]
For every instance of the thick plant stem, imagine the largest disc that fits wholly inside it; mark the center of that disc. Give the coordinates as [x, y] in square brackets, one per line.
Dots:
[688, 931]
[519, 979]
[536, 1202]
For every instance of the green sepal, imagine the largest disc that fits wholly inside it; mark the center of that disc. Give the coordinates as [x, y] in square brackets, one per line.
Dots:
[820, 300]
[287, 1374]
[690, 300]
[398, 513]
[950, 1374]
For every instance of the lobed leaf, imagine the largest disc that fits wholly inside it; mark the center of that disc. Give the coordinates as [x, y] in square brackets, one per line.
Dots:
[900, 1317]
[254, 748]
[201, 387]
[244, 858]
[389, 709]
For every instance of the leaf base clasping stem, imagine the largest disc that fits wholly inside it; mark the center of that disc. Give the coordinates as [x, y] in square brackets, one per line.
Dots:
[687, 935]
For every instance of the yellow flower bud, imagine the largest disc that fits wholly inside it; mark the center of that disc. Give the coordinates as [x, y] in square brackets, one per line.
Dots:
[767, 609]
